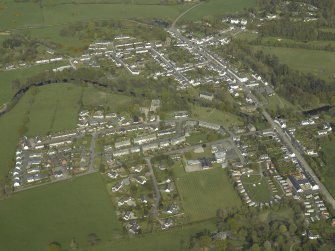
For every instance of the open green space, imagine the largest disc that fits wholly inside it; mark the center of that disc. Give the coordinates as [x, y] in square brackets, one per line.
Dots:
[218, 7]
[58, 212]
[328, 148]
[195, 188]
[316, 62]
[6, 89]
[257, 188]
[215, 116]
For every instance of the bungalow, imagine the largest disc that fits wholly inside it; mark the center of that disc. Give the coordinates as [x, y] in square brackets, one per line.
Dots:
[117, 187]
[172, 209]
[167, 223]
[164, 143]
[181, 114]
[58, 174]
[144, 199]
[135, 149]
[169, 187]
[141, 179]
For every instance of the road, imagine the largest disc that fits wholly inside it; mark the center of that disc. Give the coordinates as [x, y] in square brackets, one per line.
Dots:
[221, 65]
[158, 194]
[92, 152]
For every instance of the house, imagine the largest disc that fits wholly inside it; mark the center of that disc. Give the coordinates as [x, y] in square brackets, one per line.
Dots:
[176, 141]
[205, 163]
[133, 227]
[144, 199]
[123, 143]
[120, 152]
[135, 149]
[181, 114]
[164, 143]
[128, 215]
[149, 147]
[169, 187]
[193, 162]
[113, 174]
[206, 95]
[141, 179]
[294, 184]
[58, 174]
[137, 169]
[220, 156]
[117, 187]
[172, 209]
[209, 125]
[167, 223]
[144, 139]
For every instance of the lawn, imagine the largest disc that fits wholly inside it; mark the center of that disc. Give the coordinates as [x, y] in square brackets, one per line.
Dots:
[215, 116]
[204, 192]
[58, 212]
[319, 63]
[258, 193]
[328, 148]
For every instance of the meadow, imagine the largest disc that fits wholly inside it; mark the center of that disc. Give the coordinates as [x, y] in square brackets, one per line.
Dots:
[319, 63]
[204, 192]
[58, 212]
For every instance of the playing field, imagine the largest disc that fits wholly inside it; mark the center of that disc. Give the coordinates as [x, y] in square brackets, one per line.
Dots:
[256, 187]
[58, 212]
[316, 62]
[204, 192]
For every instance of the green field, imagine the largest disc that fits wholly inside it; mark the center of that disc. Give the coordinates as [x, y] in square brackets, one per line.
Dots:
[218, 7]
[215, 116]
[204, 192]
[58, 212]
[51, 108]
[258, 193]
[319, 63]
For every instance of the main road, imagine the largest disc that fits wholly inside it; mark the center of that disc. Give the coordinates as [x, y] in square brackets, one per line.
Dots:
[221, 66]
[158, 194]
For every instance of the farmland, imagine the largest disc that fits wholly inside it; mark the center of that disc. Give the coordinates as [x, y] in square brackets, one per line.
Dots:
[319, 63]
[58, 212]
[328, 148]
[194, 189]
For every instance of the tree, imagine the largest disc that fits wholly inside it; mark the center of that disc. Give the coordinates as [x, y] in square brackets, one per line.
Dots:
[255, 247]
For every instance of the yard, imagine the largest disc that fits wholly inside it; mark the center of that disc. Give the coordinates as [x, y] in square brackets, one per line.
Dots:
[204, 192]
[58, 212]
[257, 188]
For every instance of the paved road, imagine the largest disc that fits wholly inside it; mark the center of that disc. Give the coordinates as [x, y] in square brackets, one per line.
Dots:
[158, 194]
[92, 152]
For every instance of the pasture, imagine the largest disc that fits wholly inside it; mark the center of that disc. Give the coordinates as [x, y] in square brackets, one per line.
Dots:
[204, 192]
[319, 63]
[256, 187]
[58, 212]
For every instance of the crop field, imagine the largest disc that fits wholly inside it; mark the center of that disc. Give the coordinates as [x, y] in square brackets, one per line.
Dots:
[215, 116]
[316, 62]
[256, 187]
[58, 212]
[204, 192]
[51, 108]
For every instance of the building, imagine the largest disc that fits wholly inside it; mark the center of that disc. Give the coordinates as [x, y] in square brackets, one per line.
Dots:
[292, 181]
[122, 143]
[206, 95]
[176, 141]
[207, 125]
[145, 139]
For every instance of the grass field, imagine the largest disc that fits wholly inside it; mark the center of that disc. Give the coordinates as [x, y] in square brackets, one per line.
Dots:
[258, 193]
[6, 90]
[319, 63]
[204, 192]
[52, 108]
[58, 212]
[215, 116]
[219, 7]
